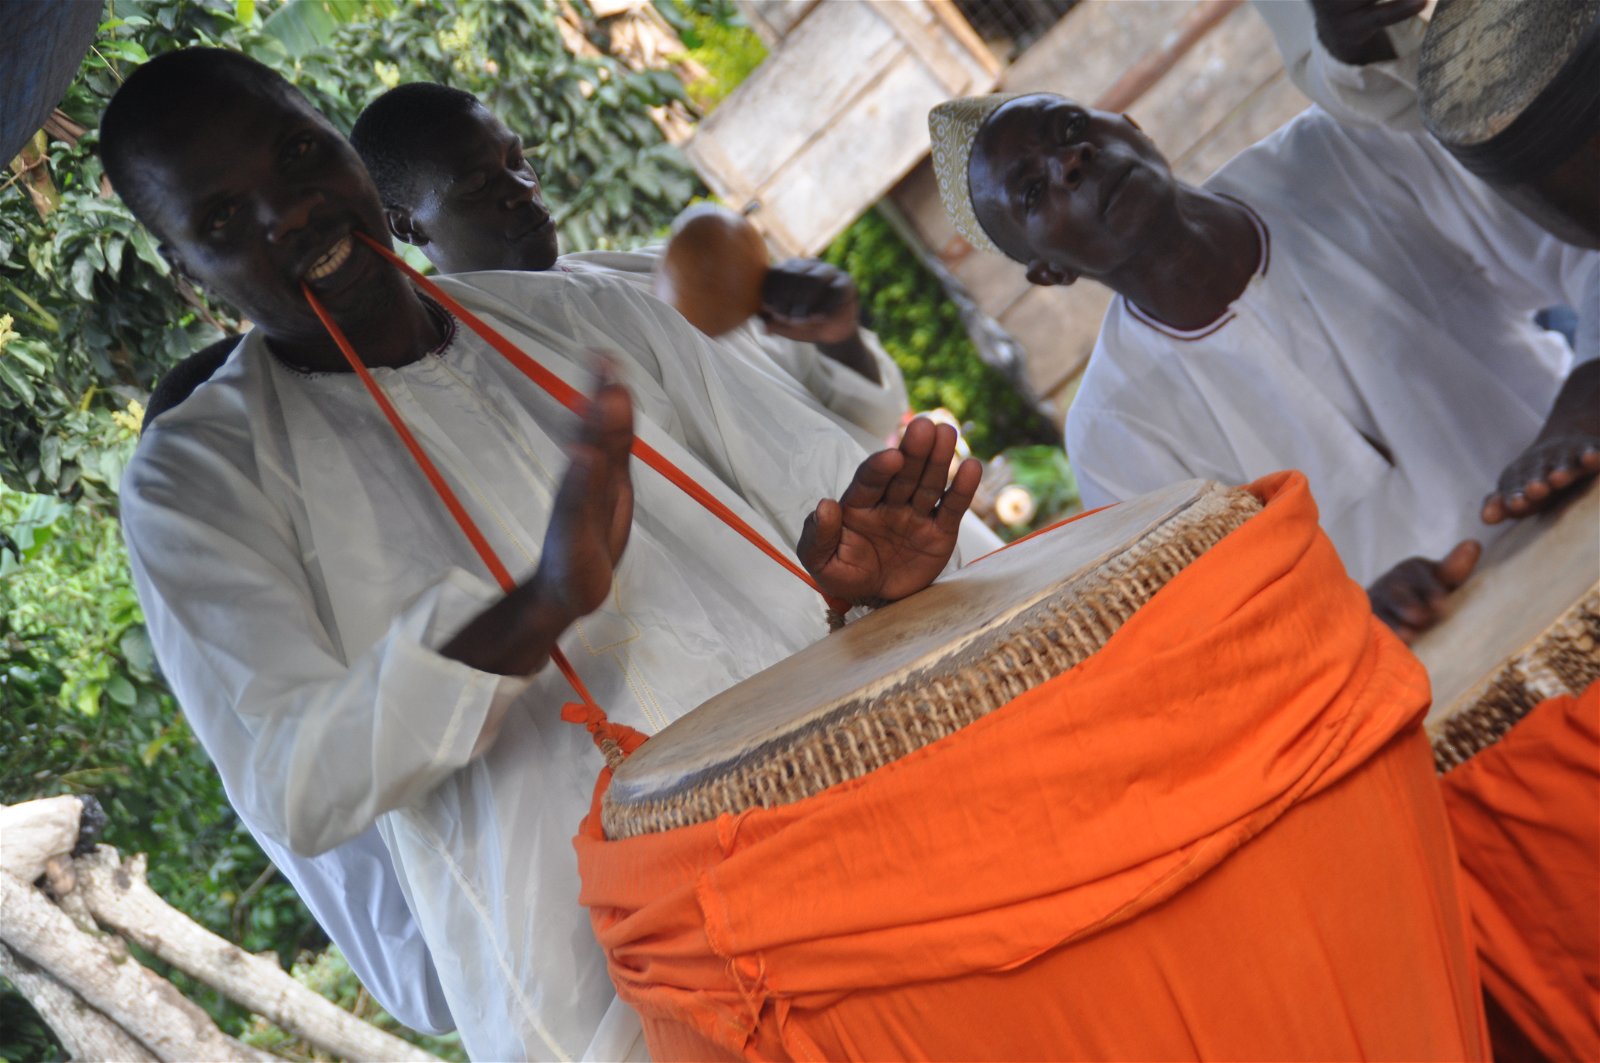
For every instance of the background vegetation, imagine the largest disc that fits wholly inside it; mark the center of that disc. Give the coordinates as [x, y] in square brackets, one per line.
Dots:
[90, 317]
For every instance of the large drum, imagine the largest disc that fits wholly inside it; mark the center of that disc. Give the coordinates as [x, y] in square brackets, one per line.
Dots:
[1515, 726]
[1150, 785]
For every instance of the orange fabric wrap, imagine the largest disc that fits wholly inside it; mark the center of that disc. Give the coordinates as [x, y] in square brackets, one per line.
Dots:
[1526, 818]
[922, 910]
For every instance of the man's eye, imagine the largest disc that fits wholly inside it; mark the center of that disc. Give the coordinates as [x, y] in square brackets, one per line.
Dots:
[298, 148]
[471, 186]
[1073, 128]
[219, 218]
[1031, 194]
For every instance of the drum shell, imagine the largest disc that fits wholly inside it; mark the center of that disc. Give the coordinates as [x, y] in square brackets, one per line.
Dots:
[1135, 795]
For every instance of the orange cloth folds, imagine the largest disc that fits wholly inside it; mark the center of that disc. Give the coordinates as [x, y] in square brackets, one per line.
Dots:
[1526, 818]
[902, 914]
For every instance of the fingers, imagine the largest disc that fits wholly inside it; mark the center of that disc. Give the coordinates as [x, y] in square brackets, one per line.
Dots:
[958, 499]
[1539, 475]
[1458, 564]
[872, 477]
[801, 289]
[930, 485]
[819, 539]
[919, 440]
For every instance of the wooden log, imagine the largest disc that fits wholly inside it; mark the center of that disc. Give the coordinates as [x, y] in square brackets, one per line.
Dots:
[84, 1032]
[122, 900]
[101, 971]
[34, 831]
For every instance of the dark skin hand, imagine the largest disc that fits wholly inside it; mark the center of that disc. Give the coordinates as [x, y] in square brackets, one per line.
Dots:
[894, 528]
[1353, 30]
[1566, 453]
[1410, 597]
[811, 301]
[588, 531]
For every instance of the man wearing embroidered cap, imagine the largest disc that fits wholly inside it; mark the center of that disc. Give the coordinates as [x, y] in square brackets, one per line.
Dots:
[1344, 301]
[323, 615]
[1512, 91]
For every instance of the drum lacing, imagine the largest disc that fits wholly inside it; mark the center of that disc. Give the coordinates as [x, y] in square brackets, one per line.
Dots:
[615, 741]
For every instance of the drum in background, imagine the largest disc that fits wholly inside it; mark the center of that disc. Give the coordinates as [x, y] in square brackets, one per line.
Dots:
[905, 676]
[1165, 745]
[1515, 728]
[1525, 628]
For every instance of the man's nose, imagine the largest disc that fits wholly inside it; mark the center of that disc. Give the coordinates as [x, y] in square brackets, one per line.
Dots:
[1074, 163]
[289, 212]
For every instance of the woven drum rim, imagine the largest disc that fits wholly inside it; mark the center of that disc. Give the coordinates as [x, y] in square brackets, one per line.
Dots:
[862, 735]
[1563, 660]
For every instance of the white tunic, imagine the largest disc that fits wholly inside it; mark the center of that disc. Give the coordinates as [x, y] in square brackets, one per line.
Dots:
[1383, 93]
[297, 575]
[1392, 314]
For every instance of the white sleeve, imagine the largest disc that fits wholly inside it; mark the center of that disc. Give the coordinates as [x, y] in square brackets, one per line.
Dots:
[1382, 94]
[311, 747]
[875, 408]
[356, 897]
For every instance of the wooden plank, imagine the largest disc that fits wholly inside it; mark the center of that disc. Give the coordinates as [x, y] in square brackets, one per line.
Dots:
[787, 101]
[804, 197]
[1272, 104]
[1093, 45]
[1057, 327]
[773, 20]
[924, 34]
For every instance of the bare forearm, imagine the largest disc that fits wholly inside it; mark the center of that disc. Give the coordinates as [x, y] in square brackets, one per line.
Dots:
[515, 635]
[853, 354]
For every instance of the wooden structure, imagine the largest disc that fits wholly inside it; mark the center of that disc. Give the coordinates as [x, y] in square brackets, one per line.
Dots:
[70, 910]
[837, 118]
[817, 131]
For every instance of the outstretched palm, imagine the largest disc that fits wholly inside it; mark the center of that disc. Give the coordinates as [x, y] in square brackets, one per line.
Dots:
[894, 528]
[593, 508]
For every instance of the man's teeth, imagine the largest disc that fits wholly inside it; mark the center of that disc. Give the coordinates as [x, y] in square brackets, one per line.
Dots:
[331, 260]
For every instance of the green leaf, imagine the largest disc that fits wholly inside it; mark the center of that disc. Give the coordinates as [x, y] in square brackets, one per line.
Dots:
[121, 691]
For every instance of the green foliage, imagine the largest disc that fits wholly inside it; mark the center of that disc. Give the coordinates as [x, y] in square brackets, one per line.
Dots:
[327, 973]
[98, 316]
[719, 40]
[921, 329]
[84, 711]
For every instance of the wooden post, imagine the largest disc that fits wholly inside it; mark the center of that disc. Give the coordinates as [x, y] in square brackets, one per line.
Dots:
[84, 1032]
[100, 970]
[121, 900]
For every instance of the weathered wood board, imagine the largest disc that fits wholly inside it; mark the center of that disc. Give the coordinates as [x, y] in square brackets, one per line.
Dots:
[837, 115]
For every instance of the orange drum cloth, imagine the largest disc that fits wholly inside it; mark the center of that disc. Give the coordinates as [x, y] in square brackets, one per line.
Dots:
[1526, 817]
[1220, 836]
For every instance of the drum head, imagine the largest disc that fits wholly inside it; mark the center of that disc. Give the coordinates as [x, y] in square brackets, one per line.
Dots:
[917, 670]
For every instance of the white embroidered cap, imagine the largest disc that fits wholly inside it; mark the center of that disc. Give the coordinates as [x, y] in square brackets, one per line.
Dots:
[953, 127]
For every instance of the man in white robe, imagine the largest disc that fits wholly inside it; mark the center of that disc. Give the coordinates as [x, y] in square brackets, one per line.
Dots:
[1346, 301]
[325, 623]
[455, 184]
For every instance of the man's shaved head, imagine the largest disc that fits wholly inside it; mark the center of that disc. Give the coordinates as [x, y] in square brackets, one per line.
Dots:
[164, 100]
[399, 127]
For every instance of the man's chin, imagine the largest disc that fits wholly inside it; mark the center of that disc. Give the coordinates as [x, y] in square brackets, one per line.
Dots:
[538, 251]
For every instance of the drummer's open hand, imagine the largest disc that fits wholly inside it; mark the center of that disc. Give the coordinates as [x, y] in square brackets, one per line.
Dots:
[593, 506]
[582, 545]
[1566, 453]
[1410, 597]
[893, 530]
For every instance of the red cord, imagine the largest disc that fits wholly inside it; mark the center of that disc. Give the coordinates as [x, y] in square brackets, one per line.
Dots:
[574, 400]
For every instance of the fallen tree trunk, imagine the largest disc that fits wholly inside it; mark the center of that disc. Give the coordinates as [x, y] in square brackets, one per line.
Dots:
[35, 831]
[85, 1033]
[101, 971]
[121, 900]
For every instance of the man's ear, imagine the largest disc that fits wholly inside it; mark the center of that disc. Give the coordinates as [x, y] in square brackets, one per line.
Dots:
[404, 227]
[1045, 275]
